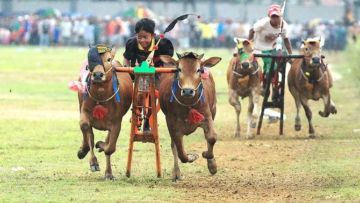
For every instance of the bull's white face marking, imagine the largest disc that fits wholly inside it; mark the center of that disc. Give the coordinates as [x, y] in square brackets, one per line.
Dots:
[246, 55]
[311, 49]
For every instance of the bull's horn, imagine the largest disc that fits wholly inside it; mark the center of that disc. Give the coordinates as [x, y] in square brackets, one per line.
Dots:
[236, 40]
[178, 55]
[201, 56]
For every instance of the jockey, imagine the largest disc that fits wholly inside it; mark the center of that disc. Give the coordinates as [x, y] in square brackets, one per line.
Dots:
[140, 46]
[265, 32]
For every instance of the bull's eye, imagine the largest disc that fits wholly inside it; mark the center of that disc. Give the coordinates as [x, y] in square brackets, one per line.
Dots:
[109, 59]
[200, 70]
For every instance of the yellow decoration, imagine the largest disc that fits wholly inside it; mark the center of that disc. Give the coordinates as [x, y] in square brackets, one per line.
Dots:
[101, 48]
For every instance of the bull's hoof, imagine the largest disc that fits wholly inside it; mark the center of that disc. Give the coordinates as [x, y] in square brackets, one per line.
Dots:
[192, 157]
[333, 110]
[250, 136]
[324, 114]
[95, 167]
[212, 166]
[297, 127]
[82, 152]
[237, 134]
[99, 145]
[109, 177]
[312, 135]
[176, 175]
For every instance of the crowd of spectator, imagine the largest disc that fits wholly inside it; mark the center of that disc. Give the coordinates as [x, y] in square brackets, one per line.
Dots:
[82, 31]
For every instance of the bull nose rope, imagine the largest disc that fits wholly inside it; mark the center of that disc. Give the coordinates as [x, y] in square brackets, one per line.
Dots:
[306, 77]
[176, 84]
[242, 75]
[104, 100]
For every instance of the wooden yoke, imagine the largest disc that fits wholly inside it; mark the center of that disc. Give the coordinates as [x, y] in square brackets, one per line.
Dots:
[144, 107]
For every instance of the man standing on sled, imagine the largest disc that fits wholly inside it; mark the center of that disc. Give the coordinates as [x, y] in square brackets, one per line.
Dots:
[264, 34]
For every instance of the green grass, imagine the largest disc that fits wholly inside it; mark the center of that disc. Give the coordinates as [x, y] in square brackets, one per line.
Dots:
[40, 136]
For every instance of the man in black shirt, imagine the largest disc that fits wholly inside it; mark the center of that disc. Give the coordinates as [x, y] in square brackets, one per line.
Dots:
[140, 46]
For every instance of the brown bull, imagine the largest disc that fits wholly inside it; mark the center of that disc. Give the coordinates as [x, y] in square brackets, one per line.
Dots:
[189, 102]
[108, 97]
[244, 80]
[309, 78]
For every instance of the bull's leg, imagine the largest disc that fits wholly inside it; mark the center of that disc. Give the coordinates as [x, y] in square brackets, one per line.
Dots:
[296, 96]
[87, 130]
[177, 138]
[234, 101]
[183, 156]
[297, 117]
[109, 147]
[84, 148]
[253, 113]
[333, 109]
[210, 136]
[176, 173]
[256, 110]
[308, 113]
[249, 135]
[329, 106]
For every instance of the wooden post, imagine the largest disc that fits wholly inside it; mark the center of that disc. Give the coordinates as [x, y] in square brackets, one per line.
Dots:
[281, 62]
[144, 102]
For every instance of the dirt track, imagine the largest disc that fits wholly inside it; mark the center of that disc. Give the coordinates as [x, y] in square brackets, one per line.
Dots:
[257, 170]
[252, 171]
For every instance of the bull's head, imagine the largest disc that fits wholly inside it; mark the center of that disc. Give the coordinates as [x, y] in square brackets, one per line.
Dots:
[311, 49]
[245, 63]
[190, 66]
[100, 62]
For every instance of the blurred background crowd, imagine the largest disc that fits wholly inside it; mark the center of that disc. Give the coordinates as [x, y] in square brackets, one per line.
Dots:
[51, 27]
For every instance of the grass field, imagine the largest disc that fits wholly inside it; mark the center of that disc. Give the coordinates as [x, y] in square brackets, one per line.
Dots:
[40, 136]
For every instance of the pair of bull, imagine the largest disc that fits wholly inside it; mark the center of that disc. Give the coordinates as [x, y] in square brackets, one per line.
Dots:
[308, 78]
[180, 94]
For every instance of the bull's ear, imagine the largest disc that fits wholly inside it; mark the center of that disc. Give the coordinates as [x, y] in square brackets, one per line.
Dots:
[322, 42]
[200, 56]
[178, 55]
[210, 62]
[168, 59]
[302, 44]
